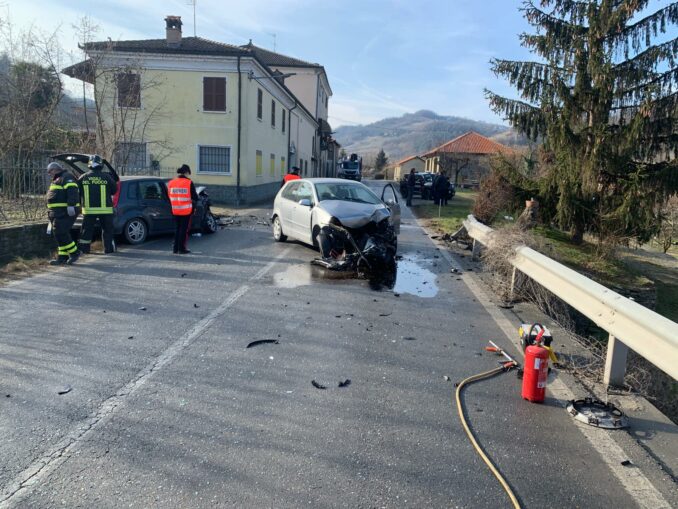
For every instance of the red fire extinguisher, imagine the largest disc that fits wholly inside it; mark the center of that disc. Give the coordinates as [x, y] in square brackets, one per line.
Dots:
[535, 371]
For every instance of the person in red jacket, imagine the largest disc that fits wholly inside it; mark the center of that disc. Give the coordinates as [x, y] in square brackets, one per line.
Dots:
[293, 175]
[183, 198]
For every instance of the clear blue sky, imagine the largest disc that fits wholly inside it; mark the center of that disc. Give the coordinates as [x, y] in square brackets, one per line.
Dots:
[383, 57]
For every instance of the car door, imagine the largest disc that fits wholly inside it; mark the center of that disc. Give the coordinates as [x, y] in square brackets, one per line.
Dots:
[288, 199]
[389, 197]
[301, 212]
[155, 206]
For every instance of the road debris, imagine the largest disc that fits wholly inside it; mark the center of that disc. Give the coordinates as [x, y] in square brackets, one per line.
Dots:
[195, 305]
[385, 314]
[626, 463]
[409, 338]
[142, 308]
[184, 274]
[317, 385]
[263, 342]
[65, 389]
[345, 383]
[130, 337]
[446, 378]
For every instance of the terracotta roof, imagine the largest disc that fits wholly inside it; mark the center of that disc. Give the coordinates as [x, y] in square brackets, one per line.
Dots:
[276, 59]
[402, 161]
[471, 143]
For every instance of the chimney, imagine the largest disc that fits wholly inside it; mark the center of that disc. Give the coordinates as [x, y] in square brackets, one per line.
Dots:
[173, 30]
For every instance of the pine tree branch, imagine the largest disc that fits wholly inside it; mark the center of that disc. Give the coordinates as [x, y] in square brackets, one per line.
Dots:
[640, 34]
[526, 118]
[576, 10]
[552, 24]
[636, 69]
[660, 85]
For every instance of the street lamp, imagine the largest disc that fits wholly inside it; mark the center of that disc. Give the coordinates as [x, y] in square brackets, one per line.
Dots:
[251, 76]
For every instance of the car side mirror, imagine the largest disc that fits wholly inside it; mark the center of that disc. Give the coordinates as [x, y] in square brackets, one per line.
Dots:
[306, 202]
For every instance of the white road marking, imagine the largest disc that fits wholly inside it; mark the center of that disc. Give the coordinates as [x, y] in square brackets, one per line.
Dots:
[42, 467]
[637, 485]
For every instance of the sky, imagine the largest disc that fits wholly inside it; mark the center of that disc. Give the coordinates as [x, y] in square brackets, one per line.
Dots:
[383, 58]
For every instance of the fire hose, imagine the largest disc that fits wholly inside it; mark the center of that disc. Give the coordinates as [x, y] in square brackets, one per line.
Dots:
[505, 366]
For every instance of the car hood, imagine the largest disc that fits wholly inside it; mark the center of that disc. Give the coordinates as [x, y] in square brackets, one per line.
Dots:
[354, 215]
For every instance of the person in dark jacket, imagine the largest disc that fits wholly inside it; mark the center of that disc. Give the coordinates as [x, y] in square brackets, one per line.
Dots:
[98, 189]
[440, 184]
[63, 206]
[183, 199]
[411, 182]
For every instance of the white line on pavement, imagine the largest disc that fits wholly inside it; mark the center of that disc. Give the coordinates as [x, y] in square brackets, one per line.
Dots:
[42, 467]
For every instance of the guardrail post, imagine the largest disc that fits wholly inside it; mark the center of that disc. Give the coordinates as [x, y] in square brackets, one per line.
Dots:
[475, 253]
[615, 362]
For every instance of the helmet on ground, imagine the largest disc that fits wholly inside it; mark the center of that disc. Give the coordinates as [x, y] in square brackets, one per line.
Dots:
[95, 162]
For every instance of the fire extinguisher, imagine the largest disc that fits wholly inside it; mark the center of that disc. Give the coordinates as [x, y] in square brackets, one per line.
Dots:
[536, 370]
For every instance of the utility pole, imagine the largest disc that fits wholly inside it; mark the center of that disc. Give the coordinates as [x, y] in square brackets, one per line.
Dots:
[274, 41]
[193, 2]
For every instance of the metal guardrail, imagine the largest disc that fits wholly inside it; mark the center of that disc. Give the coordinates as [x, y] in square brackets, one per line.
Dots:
[629, 324]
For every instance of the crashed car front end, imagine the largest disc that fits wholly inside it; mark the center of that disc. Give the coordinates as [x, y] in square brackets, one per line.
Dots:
[364, 243]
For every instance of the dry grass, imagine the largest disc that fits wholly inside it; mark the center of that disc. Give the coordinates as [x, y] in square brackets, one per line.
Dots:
[20, 268]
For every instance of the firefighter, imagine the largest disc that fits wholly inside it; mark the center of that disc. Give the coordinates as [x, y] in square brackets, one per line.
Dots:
[63, 206]
[183, 198]
[97, 189]
[293, 175]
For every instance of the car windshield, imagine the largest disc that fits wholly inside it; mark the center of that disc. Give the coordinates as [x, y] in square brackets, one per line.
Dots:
[350, 165]
[346, 192]
[428, 177]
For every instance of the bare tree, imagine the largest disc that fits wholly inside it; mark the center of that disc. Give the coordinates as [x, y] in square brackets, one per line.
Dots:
[452, 163]
[668, 231]
[128, 101]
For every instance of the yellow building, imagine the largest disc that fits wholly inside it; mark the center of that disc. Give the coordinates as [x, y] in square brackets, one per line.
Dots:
[217, 107]
[404, 166]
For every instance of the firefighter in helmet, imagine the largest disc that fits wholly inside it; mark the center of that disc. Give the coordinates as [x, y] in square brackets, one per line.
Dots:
[98, 189]
[63, 206]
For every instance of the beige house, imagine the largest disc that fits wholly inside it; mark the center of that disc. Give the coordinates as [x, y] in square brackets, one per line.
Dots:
[472, 151]
[310, 85]
[404, 166]
[220, 108]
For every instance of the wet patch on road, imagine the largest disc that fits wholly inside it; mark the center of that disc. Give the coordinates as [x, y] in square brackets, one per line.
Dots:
[411, 277]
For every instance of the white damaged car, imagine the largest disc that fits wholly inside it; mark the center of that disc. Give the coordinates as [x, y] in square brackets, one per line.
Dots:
[344, 219]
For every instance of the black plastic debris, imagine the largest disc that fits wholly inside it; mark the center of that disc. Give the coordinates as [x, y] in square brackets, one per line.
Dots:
[409, 338]
[626, 463]
[385, 314]
[345, 383]
[396, 295]
[195, 305]
[65, 389]
[8, 395]
[142, 308]
[130, 337]
[317, 385]
[184, 275]
[263, 342]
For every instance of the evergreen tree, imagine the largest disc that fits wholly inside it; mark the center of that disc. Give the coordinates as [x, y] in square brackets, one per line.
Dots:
[381, 161]
[604, 99]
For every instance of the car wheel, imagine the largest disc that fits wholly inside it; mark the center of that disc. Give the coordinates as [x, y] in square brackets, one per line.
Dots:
[135, 231]
[278, 235]
[209, 223]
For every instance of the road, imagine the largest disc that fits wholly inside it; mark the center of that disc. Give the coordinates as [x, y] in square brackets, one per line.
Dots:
[167, 408]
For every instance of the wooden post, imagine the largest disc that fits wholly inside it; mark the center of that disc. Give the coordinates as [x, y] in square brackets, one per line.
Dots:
[615, 362]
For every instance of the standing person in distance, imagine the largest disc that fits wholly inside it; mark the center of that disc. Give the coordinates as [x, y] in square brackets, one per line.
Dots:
[293, 175]
[411, 182]
[98, 189]
[63, 206]
[183, 197]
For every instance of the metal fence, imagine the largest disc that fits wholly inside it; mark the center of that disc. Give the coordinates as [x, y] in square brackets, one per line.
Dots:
[628, 324]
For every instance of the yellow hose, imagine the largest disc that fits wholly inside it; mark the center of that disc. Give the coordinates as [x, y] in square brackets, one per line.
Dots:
[481, 453]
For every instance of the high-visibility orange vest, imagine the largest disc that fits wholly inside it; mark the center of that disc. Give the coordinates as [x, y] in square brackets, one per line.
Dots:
[179, 190]
[290, 176]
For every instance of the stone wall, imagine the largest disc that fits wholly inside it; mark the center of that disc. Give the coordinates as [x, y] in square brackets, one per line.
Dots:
[26, 241]
[248, 195]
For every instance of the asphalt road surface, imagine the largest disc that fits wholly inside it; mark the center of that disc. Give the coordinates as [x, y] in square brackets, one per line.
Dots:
[164, 406]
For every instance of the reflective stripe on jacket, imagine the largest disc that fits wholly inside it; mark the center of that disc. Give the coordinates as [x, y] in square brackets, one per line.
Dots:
[179, 190]
[97, 193]
[63, 192]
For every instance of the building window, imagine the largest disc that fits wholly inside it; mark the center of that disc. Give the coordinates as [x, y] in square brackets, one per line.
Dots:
[282, 166]
[130, 156]
[306, 167]
[272, 168]
[283, 119]
[272, 113]
[129, 90]
[213, 159]
[260, 104]
[259, 168]
[214, 94]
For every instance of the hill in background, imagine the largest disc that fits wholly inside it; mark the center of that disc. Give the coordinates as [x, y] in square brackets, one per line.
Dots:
[416, 133]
